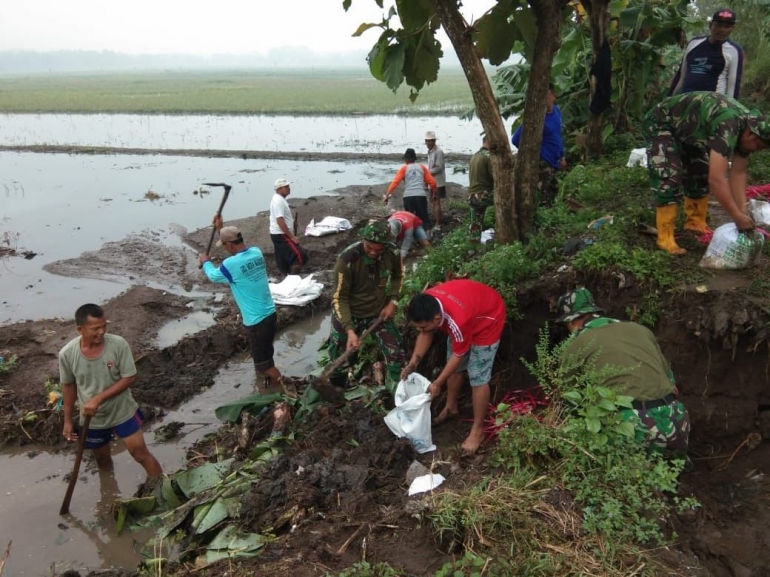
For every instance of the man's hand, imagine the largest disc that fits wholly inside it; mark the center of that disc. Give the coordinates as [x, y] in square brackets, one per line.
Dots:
[294, 239]
[68, 432]
[353, 340]
[407, 370]
[744, 222]
[91, 406]
[203, 257]
[388, 312]
[385, 198]
[434, 390]
[218, 222]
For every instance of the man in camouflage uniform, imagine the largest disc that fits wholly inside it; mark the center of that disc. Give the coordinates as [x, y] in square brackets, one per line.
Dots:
[481, 185]
[696, 142]
[660, 419]
[367, 283]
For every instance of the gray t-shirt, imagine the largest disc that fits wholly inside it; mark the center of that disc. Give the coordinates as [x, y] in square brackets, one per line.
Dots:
[92, 376]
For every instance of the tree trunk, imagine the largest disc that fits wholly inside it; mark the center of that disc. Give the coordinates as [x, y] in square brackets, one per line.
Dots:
[599, 17]
[506, 222]
[547, 42]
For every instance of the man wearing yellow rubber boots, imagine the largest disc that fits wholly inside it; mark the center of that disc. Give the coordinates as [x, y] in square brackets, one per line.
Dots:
[699, 142]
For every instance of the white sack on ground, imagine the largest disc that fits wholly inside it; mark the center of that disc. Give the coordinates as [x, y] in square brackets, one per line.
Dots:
[295, 290]
[759, 211]
[730, 249]
[425, 483]
[411, 417]
[638, 157]
[329, 225]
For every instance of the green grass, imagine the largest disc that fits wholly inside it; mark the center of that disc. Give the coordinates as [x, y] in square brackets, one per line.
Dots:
[233, 92]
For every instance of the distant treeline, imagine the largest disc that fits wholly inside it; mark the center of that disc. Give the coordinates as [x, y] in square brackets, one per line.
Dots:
[69, 61]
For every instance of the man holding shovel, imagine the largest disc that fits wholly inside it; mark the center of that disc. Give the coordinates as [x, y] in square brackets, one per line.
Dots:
[472, 315]
[367, 283]
[246, 273]
[98, 369]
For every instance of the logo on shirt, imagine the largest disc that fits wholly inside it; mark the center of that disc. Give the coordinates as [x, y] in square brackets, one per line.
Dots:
[700, 66]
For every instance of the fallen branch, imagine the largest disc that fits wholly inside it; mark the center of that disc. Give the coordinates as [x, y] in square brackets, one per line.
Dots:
[752, 440]
[346, 544]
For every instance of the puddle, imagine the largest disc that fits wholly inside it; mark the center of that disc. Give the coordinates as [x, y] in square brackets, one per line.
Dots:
[33, 480]
[373, 133]
[175, 330]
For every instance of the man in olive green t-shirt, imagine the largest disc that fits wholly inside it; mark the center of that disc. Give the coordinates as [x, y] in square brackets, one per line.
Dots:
[98, 369]
[645, 372]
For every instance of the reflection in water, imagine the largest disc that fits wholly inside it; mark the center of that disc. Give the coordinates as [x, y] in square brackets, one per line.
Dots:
[297, 346]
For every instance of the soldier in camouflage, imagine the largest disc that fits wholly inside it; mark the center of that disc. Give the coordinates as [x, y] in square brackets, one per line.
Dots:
[367, 283]
[696, 142]
[481, 186]
[660, 419]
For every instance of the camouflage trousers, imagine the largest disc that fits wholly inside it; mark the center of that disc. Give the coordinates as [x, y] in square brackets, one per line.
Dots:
[675, 169]
[665, 429]
[480, 202]
[547, 185]
[388, 340]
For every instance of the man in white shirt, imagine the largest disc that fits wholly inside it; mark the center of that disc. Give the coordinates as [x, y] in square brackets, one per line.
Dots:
[289, 255]
[437, 169]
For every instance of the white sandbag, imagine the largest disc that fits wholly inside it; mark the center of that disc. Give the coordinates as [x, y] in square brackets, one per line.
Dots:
[295, 290]
[759, 211]
[487, 235]
[411, 417]
[329, 225]
[638, 157]
[730, 249]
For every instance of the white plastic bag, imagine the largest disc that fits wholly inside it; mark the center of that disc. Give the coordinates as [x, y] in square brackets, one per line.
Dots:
[730, 249]
[638, 157]
[411, 417]
[329, 225]
[759, 211]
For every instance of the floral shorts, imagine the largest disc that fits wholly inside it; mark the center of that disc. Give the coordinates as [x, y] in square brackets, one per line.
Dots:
[478, 362]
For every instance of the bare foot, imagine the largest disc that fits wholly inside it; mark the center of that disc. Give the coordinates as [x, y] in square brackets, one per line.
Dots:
[445, 415]
[472, 442]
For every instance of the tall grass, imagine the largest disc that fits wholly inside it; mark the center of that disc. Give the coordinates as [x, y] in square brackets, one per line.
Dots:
[320, 91]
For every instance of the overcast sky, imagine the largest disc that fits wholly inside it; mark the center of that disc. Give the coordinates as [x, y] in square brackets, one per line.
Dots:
[193, 26]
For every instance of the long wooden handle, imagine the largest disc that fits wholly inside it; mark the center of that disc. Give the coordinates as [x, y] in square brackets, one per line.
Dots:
[344, 356]
[219, 213]
[65, 506]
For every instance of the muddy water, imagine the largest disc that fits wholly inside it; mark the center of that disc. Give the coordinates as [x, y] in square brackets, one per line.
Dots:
[33, 480]
[381, 133]
[60, 206]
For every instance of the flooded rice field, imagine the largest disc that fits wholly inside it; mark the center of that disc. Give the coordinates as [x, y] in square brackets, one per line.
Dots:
[59, 206]
[372, 134]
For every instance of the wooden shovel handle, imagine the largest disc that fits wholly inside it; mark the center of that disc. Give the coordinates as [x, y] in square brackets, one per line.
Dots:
[344, 356]
[65, 506]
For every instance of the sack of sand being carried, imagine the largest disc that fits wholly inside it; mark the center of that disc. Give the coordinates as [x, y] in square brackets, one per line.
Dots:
[731, 249]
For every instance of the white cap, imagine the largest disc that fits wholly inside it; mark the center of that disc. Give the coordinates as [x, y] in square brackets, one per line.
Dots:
[280, 183]
[430, 135]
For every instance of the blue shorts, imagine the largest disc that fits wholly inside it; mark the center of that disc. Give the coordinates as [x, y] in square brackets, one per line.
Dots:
[97, 438]
[478, 362]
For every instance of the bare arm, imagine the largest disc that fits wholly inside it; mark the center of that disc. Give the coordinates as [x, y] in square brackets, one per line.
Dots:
[721, 184]
[113, 390]
[285, 229]
[421, 347]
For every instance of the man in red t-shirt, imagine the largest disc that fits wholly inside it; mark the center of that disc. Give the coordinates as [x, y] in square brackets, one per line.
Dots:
[407, 228]
[472, 315]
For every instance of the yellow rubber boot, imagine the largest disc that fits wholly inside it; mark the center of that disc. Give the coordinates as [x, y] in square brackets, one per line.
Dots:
[696, 209]
[665, 220]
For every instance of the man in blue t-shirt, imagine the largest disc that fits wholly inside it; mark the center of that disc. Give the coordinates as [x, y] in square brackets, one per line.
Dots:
[246, 273]
[551, 151]
[712, 63]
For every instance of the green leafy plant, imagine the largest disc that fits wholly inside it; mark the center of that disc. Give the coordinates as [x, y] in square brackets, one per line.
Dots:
[8, 363]
[366, 569]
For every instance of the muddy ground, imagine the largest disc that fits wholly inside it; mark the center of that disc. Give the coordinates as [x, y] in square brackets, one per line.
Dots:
[349, 502]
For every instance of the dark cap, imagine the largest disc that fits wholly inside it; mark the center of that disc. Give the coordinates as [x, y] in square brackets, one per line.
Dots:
[410, 154]
[724, 15]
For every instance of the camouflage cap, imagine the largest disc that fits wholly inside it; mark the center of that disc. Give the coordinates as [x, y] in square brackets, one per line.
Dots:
[376, 231]
[760, 125]
[575, 304]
